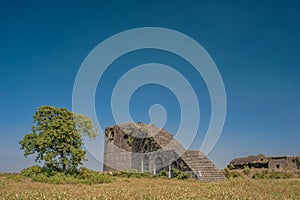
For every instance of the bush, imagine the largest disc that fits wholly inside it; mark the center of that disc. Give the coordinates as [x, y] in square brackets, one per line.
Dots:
[58, 178]
[83, 176]
[91, 176]
[258, 175]
[183, 175]
[267, 174]
[246, 170]
[131, 173]
[231, 174]
[230, 166]
[146, 174]
[163, 173]
[155, 176]
[180, 175]
[176, 172]
[31, 171]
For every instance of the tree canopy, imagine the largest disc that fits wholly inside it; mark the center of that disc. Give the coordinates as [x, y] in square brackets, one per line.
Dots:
[57, 138]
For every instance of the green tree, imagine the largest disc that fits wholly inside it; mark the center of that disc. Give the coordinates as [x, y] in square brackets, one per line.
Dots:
[57, 138]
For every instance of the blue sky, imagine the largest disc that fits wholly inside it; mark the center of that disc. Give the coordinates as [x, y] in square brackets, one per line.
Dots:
[255, 45]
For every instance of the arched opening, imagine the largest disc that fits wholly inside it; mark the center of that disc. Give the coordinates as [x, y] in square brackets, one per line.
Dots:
[158, 165]
[174, 165]
[145, 164]
[277, 166]
[111, 134]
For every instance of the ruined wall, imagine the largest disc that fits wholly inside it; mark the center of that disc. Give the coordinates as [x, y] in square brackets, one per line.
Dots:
[149, 149]
[282, 163]
[122, 152]
[273, 163]
[117, 152]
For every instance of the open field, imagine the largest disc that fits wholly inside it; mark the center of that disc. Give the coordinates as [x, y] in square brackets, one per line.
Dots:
[152, 188]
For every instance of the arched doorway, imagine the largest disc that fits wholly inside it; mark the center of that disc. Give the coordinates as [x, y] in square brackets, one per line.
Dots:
[145, 164]
[173, 165]
[158, 165]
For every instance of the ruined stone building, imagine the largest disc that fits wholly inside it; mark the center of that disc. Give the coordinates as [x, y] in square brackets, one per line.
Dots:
[146, 148]
[283, 162]
[261, 161]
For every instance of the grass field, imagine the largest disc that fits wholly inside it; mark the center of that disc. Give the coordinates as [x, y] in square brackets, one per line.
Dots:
[151, 188]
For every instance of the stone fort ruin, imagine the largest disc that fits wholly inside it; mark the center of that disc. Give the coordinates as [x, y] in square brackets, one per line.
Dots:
[261, 161]
[146, 148]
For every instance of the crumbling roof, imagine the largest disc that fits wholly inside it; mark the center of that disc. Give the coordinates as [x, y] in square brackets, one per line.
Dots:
[160, 135]
[249, 159]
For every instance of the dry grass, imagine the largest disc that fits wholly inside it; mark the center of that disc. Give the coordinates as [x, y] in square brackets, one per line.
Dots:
[147, 188]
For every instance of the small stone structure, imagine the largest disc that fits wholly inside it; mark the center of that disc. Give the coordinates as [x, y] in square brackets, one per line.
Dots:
[146, 148]
[283, 162]
[261, 161]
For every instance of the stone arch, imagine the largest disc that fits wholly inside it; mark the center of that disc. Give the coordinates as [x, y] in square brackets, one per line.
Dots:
[173, 165]
[158, 165]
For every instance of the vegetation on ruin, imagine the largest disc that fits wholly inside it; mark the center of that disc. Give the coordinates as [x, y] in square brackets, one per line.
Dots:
[135, 130]
[139, 137]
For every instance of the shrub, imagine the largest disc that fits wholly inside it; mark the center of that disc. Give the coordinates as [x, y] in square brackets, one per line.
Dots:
[131, 173]
[58, 178]
[83, 176]
[257, 176]
[49, 171]
[31, 171]
[163, 173]
[183, 175]
[246, 170]
[230, 166]
[232, 174]
[155, 176]
[266, 174]
[179, 175]
[91, 176]
[146, 174]
[176, 172]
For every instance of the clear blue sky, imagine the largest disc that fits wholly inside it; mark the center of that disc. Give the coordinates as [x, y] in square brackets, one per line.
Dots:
[255, 45]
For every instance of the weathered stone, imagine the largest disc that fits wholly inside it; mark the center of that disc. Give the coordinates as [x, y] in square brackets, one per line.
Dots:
[144, 147]
[261, 161]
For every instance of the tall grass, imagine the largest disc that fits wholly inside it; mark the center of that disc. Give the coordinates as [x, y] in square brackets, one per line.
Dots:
[149, 188]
